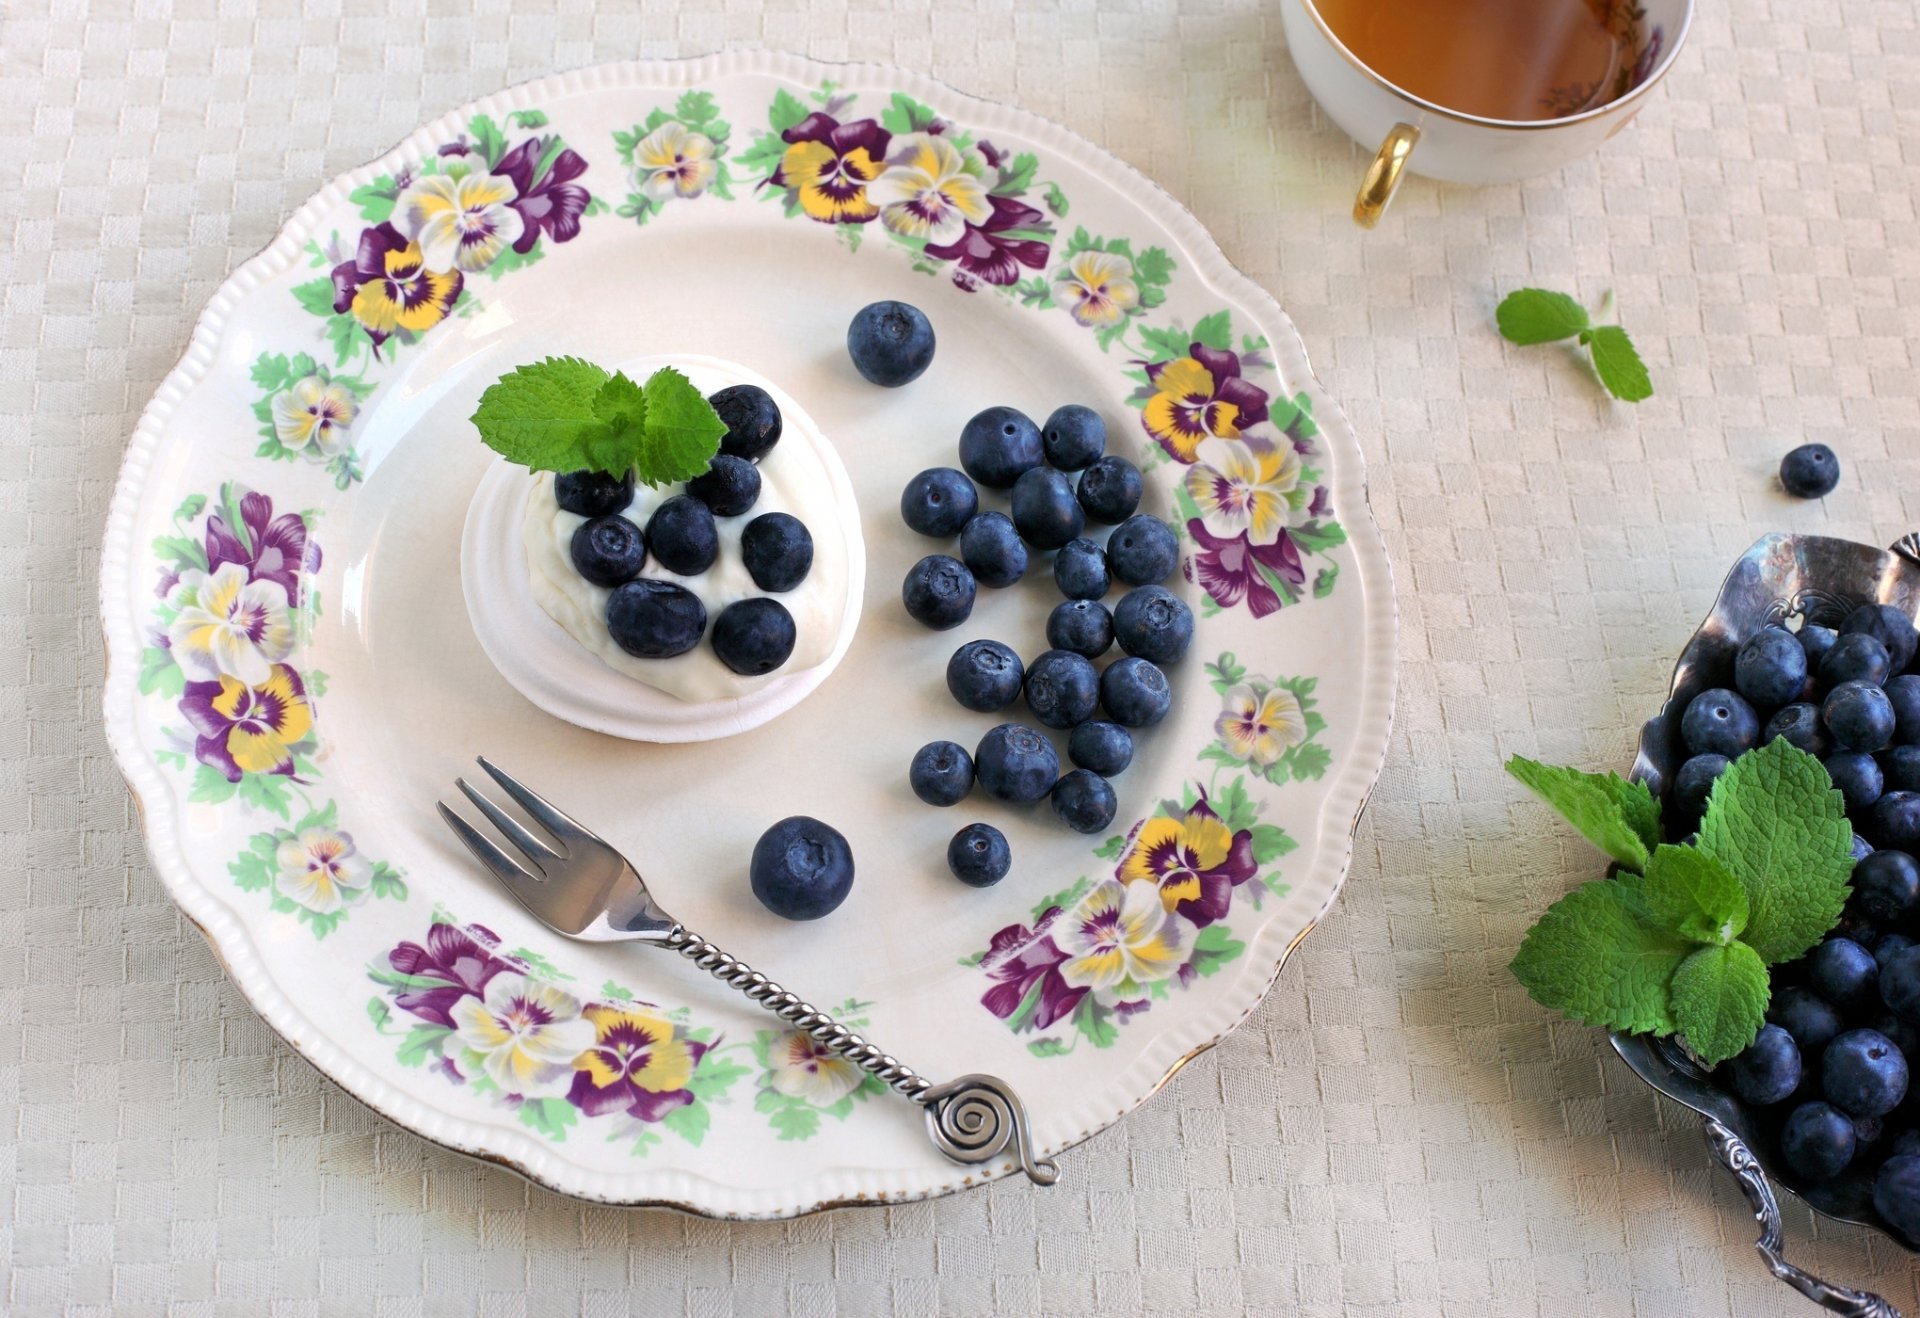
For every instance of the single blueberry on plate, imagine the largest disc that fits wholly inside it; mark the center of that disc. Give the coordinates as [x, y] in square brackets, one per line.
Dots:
[1769, 1069]
[1903, 692]
[1151, 622]
[1896, 821]
[729, 485]
[1082, 626]
[891, 343]
[1901, 767]
[752, 419]
[1817, 1141]
[1810, 471]
[1859, 716]
[979, 856]
[1015, 763]
[941, 773]
[1073, 437]
[1886, 886]
[655, 619]
[985, 675]
[1719, 722]
[1816, 641]
[1142, 551]
[608, 550]
[1084, 801]
[1800, 724]
[1900, 982]
[1000, 445]
[1863, 1074]
[1080, 570]
[1106, 748]
[1858, 777]
[1887, 625]
[1771, 668]
[1896, 1194]
[1110, 490]
[1885, 950]
[1809, 1018]
[777, 551]
[1063, 689]
[1855, 657]
[1135, 693]
[682, 536]
[1045, 512]
[938, 592]
[1845, 974]
[801, 869]
[1693, 783]
[993, 550]
[592, 493]
[754, 636]
[938, 502]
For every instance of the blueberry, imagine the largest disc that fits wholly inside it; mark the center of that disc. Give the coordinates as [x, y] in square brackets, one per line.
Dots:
[1887, 625]
[1153, 623]
[1903, 1033]
[1800, 724]
[942, 773]
[1858, 777]
[1845, 974]
[1080, 570]
[1073, 437]
[1015, 763]
[1769, 1069]
[1142, 551]
[1862, 1073]
[682, 536]
[1886, 886]
[1106, 748]
[993, 549]
[1693, 783]
[1861, 848]
[801, 869]
[1135, 693]
[1719, 722]
[1906, 1142]
[1903, 692]
[1084, 801]
[1110, 490]
[655, 619]
[1900, 765]
[1810, 471]
[1082, 626]
[608, 550]
[1816, 641]
[1896, 821]
[1000, 445]
[1804, 1014]
[938, 591]
[1855, 657]
[592, 493]
[1896, 1194]
[1817, 1141]
[1771, 667]
[1044, 510]
[1859, 716]
[1063, 689]
[985, 675]
[777, 551]
[752, 419]
[754, 636]
[938, 501]
[891, 343]
[1884, 951]
[729, 485]
[979, 856]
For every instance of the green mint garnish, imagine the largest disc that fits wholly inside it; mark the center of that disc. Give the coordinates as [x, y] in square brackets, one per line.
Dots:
[1681, 940]
[1537, 315]
[564, 414]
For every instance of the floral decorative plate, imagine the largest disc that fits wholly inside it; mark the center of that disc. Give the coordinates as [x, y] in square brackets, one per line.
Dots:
[294, 680]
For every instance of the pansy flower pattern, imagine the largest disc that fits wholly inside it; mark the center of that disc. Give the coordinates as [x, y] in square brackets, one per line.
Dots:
[675, 154]
[306, 412]
[314, 871]
[801, 1082]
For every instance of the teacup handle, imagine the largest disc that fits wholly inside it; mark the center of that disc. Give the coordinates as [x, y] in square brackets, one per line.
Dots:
[1383, 175]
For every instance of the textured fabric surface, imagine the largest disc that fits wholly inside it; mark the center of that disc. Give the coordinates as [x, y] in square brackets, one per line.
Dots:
[1398, 1128]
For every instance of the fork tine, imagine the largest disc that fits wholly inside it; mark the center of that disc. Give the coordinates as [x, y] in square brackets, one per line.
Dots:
[563, 826]
[503, 867]
[532, 847]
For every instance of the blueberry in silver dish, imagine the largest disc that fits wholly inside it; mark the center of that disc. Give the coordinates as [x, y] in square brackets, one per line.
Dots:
[592, 493]
[1045, 512]
[1896, 1194]
[752, 419]
[608, 550]
[1693, 783]
[682, 536]
[1800, 724]
[1082, 626]
[891, 343]
[938, 502]
[1859, 716]
[1080, 570]
[655, 619]
[1845, 974]
[1817, 1141]
[1863, 1074]
[938, 592]
[993, 550]
[1143, 551]
[1015, 763]
[801, 869]
[1886, 888]
[1859, 778]
[999, 445]
[1901, 765]
[1855, 657]
[729, 485]
[985, 676]
[1719, 722]
[1151, 622]
[1903, 692]
[1073, 437]
[1810, 471]
[777, 551]
[1900, 981]
[1895, 823]
[1106, 748]
[1135, 693]
[754, 636]
[1771, 668]
[1110, 490]
[1887, 625]
[1808, 1017]
[941, 773]
[1885, 949]
[1769, 1069]
[1084, 801]
[1816, 641]
[1063, 689]
[979, 856]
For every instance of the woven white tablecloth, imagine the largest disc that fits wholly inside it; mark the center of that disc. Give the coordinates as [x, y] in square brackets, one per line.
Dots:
[1398, 1128]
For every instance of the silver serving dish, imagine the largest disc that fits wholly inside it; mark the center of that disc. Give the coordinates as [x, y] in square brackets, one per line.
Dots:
[1783, 577]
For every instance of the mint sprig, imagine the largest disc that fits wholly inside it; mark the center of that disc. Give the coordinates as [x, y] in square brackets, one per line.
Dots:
[565, 414]
[1681, 940]
[1537, 315]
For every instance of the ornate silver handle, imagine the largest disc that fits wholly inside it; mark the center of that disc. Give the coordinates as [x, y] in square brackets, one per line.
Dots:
[1734, 1154]
[971, 1120]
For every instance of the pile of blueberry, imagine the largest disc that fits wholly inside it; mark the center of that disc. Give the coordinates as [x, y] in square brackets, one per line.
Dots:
[1831, 1066]
[655, 619]
[1002, 449]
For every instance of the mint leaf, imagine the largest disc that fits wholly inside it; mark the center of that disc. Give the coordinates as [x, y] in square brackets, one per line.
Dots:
[1720, 1000]
[541, 416]
[564, 414]
[1618, 365]
[1692, 894]
[1535, 315]
[682, 431]
[1599, 956]
[1619, 817]
[620, 408]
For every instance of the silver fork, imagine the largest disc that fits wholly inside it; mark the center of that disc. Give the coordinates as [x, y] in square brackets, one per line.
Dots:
[580, 886]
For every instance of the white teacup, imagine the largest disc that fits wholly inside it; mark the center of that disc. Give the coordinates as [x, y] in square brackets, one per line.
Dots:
[1442, 143]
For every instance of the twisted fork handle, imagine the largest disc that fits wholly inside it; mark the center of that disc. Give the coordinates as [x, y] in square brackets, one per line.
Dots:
[972, 1119]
